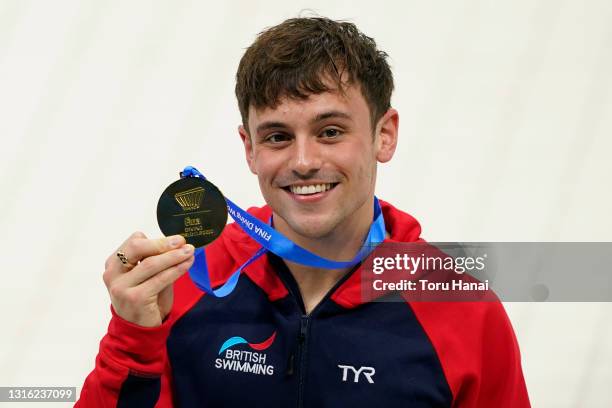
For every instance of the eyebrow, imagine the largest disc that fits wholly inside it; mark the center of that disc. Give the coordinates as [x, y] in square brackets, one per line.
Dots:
[320, 117]
[330, 114]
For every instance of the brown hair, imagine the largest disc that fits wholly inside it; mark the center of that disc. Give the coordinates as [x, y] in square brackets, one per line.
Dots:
[293, 59]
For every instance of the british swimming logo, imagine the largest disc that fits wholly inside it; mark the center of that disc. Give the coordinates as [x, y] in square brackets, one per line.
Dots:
[247, 361]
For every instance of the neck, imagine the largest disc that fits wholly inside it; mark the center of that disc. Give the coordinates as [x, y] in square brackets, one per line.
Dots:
[341, 244]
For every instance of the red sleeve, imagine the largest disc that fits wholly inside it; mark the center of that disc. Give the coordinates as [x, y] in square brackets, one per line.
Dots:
[127, 349]
[130, 350]
[478, 352]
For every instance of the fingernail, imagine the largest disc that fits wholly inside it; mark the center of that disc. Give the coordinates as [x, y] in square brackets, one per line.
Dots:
[187, 249]
[175, 241]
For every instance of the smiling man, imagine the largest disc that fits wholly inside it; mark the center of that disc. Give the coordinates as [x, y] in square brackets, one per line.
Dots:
[315, 158]
[314, 95]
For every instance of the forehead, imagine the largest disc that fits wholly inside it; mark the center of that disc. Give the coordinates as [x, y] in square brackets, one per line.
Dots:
[350, 102]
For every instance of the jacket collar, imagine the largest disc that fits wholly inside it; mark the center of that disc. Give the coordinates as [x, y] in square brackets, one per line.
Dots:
[401, 227]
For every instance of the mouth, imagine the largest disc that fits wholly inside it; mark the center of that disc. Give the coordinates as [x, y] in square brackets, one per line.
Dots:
[306, 190]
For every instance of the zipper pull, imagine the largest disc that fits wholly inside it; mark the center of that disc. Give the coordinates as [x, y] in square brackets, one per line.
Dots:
[301, 339]
[303, 328]
[290, 365]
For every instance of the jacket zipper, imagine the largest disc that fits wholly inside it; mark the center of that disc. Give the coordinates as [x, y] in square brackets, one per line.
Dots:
[305, 323]
[302, 350]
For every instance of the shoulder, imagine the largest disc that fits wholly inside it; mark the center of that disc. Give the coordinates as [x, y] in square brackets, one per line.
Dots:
[472, 321]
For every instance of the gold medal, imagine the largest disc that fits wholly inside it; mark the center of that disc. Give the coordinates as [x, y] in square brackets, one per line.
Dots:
[194, 208]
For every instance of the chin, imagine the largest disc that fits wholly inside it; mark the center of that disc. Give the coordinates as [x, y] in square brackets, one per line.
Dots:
[311, 228]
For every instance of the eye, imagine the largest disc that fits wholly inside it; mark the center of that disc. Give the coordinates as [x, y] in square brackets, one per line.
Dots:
[331, 133]
[277, 138]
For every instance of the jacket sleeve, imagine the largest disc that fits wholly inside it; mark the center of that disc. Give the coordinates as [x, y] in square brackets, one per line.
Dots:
[501, 382]
[131, 368]
[478, 352]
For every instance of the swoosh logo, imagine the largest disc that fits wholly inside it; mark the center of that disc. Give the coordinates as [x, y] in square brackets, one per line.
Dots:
[232, 341]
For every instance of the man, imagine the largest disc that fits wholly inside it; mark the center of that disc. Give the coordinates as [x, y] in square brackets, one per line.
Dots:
[314, 95]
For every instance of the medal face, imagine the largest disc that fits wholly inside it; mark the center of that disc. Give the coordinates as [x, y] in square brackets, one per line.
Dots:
[194, 208]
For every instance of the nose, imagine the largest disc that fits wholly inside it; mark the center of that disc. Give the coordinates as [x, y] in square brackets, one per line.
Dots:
[305, 158]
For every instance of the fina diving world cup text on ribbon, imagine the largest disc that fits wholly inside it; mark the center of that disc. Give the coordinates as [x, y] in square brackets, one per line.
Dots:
[275, 242]
[246, 224]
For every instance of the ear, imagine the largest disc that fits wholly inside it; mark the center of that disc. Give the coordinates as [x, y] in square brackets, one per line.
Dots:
[386, 135]
[248, 147]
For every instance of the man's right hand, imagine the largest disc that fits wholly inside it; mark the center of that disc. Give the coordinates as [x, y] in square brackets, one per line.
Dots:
[141, 291]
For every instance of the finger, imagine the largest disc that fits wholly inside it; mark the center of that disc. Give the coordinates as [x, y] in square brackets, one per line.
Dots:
[162, 280]
[113, 267]
[137, 249]
[153, 265]
[124, 261]
[135, 235]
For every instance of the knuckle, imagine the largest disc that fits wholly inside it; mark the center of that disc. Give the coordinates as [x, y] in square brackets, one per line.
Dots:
[186, 264]
[165, 278]
[116, 291]
[133, 296]
[159, 280]
[161, 245]
[177, 271]
[133, 246]
[176, 255]
[148, 263]
[137, 234]
[107, 277]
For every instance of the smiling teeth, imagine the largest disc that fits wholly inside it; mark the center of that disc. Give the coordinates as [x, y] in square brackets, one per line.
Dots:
[312, 189]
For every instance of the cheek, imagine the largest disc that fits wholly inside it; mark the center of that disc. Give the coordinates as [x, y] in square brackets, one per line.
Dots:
[266, 165]
[360, 161]
[367, 172]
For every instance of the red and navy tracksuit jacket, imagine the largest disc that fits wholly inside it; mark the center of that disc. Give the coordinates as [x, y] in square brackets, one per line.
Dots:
[258, 348]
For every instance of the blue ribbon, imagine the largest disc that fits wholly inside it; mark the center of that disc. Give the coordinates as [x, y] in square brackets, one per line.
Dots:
[275, 242]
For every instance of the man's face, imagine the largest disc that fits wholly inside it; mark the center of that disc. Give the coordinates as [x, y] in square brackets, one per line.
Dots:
[316, 159]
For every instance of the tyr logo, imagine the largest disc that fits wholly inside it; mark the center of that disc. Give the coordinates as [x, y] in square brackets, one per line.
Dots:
[368, 373]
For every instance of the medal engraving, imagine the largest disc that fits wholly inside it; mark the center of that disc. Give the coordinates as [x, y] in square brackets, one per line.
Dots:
[194, 208]
[190, 199]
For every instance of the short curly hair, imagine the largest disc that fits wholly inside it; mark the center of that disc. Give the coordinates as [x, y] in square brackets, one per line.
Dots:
[300, 56]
